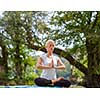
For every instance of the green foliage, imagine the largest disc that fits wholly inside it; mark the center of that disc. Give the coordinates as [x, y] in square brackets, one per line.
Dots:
[77, 73]
[30, 61]
[77, 31]
[15, 33]
[29, 76]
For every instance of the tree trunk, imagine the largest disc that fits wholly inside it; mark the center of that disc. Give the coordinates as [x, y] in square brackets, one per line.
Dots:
[93, 50]
[92, 81]
[4, 62]
[18, 64]
[5, 57]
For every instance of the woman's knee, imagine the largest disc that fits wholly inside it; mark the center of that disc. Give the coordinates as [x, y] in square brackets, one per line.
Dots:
[36, 81]
[42, 82]
[63, 83]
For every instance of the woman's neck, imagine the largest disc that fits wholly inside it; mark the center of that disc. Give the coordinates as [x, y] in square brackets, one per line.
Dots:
[49, 54]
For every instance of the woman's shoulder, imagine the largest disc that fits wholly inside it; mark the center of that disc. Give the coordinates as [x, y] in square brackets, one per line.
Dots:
[56, 57]
[43, 55]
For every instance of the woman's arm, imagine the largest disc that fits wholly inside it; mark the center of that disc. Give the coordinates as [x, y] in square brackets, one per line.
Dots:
[60, 64]
[41, 66]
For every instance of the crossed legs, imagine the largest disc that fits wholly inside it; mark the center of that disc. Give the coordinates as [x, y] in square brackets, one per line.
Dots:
[59, 82]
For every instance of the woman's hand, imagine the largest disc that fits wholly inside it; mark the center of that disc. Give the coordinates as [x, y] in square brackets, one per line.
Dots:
[51, 65]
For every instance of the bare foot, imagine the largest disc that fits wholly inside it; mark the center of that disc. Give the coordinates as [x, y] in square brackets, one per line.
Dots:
[60, 78]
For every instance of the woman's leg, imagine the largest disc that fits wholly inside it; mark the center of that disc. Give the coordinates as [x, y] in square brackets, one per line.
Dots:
[62, 83]
[42, 82]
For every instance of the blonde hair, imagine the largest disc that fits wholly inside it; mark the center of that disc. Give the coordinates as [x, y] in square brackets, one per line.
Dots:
[49, 41]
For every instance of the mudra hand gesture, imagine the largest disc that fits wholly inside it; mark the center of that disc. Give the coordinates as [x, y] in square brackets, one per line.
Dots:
[51, 65]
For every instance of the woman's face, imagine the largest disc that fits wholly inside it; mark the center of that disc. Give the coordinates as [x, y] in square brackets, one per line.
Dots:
[50, 47]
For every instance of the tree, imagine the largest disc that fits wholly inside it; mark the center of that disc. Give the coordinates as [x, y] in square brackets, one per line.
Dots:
[17, 30]
[79, 29]
[82, 30]
[13, 26]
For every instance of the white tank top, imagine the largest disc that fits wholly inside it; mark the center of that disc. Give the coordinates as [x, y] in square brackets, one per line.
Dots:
[49, 73]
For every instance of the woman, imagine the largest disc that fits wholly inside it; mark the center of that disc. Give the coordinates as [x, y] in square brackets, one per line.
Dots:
[49, 63]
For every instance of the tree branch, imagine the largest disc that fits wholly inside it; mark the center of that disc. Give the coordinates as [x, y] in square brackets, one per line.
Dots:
[64, 54]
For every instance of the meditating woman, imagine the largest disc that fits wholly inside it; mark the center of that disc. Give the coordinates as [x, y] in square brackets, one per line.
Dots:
[49, 63]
